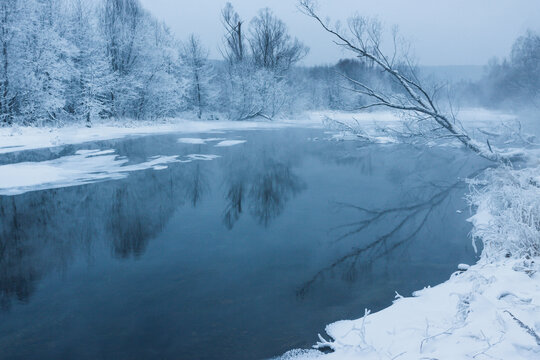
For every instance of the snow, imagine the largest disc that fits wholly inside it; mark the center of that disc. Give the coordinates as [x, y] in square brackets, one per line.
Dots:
[203, 157]
[203, 141]
[226, 143]
[378, 128]
[198, 141]
[85, 166]
[469, 316]
[508, 212]
[28, 138]
[490, 310]
[376, 139]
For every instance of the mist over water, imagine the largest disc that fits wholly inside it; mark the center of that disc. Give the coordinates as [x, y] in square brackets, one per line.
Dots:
[246, 255]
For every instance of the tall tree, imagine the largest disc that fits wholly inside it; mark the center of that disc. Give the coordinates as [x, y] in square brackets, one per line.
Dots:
[199, 74]
[121, 23]
[8, 13]
[234, 41]
[271, 45]
[47, 62]
[89, 85]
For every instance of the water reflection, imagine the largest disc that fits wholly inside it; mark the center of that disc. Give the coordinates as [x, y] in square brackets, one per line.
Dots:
[405, 223]
[190, 261]
[262, 182]
[266, 192]
[43, 231]
[377, 234]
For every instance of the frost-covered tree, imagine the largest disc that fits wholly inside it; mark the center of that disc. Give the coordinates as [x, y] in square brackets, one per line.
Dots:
[9, 11]
[46, 63]
[88, 87]
[199, 75]
[142, 54]
[256, 82]
[163, 92]
[409, 95]
[122, 26]
[516, 80]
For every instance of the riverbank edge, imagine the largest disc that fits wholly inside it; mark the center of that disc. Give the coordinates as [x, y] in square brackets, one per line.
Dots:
[488, 310]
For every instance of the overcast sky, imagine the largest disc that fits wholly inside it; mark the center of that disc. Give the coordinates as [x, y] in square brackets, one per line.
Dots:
[443, 32]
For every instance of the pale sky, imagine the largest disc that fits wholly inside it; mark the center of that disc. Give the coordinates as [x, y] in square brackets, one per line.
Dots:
[442, 32]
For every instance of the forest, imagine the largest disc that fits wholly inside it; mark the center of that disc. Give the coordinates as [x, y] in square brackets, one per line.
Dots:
[79, 61]
[228, 193]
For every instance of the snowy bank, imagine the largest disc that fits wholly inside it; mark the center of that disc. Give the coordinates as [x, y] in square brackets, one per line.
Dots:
[18, 138]
[488, 310]
[484, 312]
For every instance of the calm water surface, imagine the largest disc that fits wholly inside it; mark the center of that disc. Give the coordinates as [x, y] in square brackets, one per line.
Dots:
[242, 257]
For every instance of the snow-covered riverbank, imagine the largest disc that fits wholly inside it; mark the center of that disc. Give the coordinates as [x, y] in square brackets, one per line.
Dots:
[17, 138]
[490, 310]
[29, 138]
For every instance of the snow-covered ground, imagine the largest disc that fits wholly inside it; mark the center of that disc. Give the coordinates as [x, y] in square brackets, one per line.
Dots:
[490, 310]
[28, 138]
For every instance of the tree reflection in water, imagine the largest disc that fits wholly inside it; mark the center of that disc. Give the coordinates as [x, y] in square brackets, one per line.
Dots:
[261, 181]
[43, 231]
[406, 222]
[266, 191]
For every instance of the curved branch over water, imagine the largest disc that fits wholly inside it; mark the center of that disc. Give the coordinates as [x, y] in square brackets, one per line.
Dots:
[363, 38]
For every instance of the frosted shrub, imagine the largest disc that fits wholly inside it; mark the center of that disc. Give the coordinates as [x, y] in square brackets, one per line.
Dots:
[508, 213]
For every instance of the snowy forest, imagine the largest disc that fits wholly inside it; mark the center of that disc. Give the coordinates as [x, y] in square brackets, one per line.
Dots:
[189, 180]
[66, 61]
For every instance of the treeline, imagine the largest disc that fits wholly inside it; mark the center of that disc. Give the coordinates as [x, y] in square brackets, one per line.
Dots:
[65, 61]
[513, 82]
[81, 60]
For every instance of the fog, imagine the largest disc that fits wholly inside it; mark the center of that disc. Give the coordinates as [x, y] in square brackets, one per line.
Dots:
[456, 32]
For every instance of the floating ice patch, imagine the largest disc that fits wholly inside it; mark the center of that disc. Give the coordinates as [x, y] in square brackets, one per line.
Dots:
[159, 167]
[229, 143]
[90, 153]
[376, 139]
[202, 157]
[86, 166]
[197, 141]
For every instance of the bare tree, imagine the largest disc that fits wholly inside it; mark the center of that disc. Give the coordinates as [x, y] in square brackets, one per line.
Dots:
[121, 20]
[271, 45]
[234, 50]
[363, 37]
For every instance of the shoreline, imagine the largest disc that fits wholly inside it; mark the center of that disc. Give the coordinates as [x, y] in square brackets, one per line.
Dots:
[490, 310]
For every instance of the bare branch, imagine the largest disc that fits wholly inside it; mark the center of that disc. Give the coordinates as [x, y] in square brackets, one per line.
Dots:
[414, 99]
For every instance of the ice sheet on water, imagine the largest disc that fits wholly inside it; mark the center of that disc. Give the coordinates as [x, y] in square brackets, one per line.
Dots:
[226, 143]
[85, 166]
[198, 141]
[204, 157]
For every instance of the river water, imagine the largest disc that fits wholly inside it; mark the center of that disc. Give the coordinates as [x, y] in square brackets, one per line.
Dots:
[241, 255]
